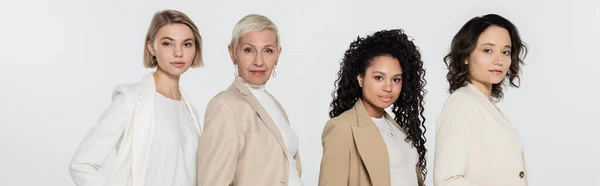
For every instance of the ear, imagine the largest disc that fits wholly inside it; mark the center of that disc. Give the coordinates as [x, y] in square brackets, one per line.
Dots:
[467, 61]
[150, 48]
[360, 79]
[231, 53]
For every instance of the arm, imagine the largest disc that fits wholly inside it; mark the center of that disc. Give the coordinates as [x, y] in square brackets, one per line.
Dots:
[218, 145]
[336, 155]
[99, 143]
[453, 143]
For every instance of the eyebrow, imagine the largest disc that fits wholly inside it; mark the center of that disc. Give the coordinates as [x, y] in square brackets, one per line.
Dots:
[171, 39]
[492, 44]
[269, 45]
[400, 74]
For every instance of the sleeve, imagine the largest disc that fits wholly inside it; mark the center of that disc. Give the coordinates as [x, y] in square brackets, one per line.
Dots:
[453, 142]
[218, 145]
[336, 155]
[99, 143]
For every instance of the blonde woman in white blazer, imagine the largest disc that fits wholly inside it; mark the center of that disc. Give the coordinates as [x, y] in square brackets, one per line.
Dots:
[151, 124]
[476, 144]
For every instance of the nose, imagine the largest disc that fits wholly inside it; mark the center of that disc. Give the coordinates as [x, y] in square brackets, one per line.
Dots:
[500, 59]
[178, 52]
[258, 60]
[387, 87]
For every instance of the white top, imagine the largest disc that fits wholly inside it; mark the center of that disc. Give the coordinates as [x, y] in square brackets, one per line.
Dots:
[403, 156]
[174, 151]
[290, 137]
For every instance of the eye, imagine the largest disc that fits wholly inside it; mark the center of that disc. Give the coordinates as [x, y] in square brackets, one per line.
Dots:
[507, 53]
[378, 78]
[269, 51]
[188, 45]
[166, 44]
[248, 50]
[397, 80]
[487, 50]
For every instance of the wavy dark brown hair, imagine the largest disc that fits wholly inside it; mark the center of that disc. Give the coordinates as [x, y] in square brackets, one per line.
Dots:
[465, 41]
[408, 109]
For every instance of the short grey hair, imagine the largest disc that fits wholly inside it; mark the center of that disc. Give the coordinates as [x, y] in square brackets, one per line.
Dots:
[252, 23]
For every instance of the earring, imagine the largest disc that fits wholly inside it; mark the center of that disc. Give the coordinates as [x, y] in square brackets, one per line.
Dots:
[274, 72]
[235, 71]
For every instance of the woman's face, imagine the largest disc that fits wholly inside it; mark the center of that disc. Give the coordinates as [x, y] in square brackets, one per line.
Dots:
[490, 60]
[174, 48]
[256, 55]
[381, 83]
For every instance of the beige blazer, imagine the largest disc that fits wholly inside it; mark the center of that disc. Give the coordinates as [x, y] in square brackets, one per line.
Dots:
[354, 153]
[476, 144]
[241, 145]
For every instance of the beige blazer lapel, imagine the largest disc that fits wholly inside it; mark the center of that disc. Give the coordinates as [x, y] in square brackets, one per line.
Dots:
[489, 106]
[371, 146]
[264, 116]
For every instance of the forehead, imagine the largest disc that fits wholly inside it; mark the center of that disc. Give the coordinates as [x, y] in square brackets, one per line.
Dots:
[386, 64]
[260, 38]
[495, 35]
[175, 31]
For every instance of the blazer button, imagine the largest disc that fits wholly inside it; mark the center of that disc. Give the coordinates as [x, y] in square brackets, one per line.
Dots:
[521, 174]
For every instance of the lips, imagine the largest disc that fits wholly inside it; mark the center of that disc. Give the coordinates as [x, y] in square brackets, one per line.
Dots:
[496, 72]
[385, 99]
[257, 72]
[178, 64]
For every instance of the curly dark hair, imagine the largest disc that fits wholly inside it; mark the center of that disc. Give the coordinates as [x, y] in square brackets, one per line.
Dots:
[465, 41]
[408, 109]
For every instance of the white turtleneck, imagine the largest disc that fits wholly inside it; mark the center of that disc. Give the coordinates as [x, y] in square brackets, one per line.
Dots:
[290, 137]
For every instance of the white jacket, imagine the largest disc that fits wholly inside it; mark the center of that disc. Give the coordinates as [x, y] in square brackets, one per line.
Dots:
[128, 126]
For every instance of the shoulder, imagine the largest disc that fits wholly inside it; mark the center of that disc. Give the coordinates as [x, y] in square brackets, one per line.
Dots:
[461, 98]
[344, 120]
[227, 97]
[127, 92]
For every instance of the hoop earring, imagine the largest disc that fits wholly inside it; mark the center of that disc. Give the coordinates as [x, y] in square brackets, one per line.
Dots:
[235, 71]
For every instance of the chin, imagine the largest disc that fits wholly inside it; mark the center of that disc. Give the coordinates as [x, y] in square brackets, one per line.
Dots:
[384, 105]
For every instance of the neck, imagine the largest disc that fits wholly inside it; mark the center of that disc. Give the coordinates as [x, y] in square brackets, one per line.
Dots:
[372, 111]
[167, 85]
[485, 88]
[250, 85]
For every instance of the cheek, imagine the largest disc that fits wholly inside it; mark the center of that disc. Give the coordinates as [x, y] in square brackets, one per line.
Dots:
[370, 88]
[244, 60]
[398, 89]
[190, 53]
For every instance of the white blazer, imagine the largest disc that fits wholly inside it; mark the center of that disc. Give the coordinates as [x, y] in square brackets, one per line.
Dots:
[128, 126]
[476, 145]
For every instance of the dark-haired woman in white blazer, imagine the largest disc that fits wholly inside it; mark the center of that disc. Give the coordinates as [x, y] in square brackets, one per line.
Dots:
[476, 144]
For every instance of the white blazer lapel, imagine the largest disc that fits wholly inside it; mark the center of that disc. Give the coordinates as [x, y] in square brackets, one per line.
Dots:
[192, 111]
[143, 130]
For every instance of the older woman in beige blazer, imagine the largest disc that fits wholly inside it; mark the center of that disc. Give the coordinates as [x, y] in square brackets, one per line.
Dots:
[247, 137]
[362, 144]
[475, 143]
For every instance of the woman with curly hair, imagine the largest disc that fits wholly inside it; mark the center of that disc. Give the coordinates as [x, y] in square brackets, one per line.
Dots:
[475, 143]
[362, 144]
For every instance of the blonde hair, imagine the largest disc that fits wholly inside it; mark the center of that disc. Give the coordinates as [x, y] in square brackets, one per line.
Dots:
[162, 18]
[252, 23]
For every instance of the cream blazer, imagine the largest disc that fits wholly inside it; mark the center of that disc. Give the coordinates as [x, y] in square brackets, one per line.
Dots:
[354, 153]
[127, 126]
[241, 145]
[476, 145]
